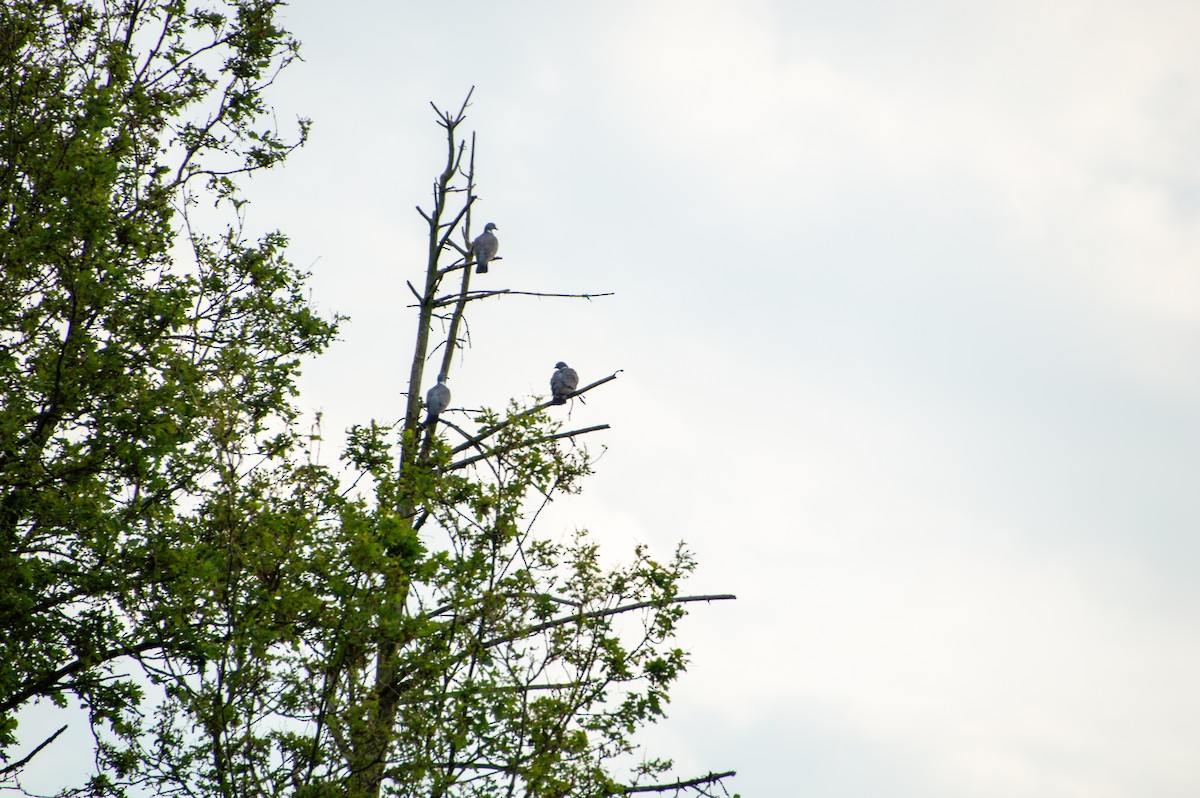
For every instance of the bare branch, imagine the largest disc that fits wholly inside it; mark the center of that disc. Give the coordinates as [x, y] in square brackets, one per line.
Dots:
[492, 430]
[466, 461]
[466, 102]
[563, 620]
[445, 239]
[472, 295]
[711, 778]
[22, 762]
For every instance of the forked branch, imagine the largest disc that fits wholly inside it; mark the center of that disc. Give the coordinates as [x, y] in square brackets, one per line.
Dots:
[501, 450]
[500, 425]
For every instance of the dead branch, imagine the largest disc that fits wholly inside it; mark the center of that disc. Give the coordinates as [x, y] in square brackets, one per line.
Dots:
[22, 762]
[465, 288]
[472, 295]
[581, 616]
[492, 430]
[711, 778]
[445, 239]
[499, 450]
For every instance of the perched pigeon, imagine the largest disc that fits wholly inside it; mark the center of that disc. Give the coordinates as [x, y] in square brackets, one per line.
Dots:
[564, 382]
[485, 248]
[437, 399]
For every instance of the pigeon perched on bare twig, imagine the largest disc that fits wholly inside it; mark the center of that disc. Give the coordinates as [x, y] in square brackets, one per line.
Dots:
[437, 399]
[563, 383]
[485, 247]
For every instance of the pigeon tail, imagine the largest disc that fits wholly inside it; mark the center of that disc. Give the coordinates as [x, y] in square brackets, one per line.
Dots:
[481, 268]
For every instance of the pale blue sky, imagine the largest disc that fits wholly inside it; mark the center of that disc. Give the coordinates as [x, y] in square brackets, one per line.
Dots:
[909, 316]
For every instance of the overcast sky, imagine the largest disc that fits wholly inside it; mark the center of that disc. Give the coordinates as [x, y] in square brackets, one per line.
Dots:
[908, 313]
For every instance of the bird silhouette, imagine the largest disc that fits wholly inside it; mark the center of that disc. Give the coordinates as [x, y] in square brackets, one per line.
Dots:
[563, 382]
[485, 247]
[437, 399]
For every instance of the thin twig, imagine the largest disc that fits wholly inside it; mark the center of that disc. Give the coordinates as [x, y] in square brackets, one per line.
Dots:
[556, 599]
[450, 300]
[466, 207]
[580, 616]
[466, 461]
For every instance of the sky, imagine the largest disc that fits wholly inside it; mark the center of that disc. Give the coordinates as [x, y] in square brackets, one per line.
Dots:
[907, 317]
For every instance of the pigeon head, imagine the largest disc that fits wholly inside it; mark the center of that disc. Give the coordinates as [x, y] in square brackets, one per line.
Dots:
[489, 227]
[560, 365]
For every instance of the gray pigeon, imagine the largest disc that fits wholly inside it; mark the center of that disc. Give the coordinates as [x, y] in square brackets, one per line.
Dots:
[563, 382]
[437, 399]
[485, 248]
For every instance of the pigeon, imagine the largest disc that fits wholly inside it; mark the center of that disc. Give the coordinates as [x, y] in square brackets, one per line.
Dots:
[437, 399]
[564, 382]
[485, 247]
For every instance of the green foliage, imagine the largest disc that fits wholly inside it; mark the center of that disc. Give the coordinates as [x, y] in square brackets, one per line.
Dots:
[126, 373]
[388, 624]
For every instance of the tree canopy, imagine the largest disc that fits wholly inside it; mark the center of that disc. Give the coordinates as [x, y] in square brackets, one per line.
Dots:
[234, 616]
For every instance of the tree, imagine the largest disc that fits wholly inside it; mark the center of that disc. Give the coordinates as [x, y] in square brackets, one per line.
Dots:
[125, 368]
[388, 624]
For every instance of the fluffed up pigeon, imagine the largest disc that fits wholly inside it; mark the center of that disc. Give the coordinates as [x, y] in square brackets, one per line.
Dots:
[485, 248]
[437, 399]
[564, 382]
